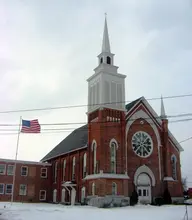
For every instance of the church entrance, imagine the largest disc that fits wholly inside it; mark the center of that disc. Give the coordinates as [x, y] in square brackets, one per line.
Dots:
[144, 188]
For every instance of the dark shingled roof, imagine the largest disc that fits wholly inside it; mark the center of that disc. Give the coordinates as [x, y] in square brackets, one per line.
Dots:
[131, 104]
[76, 140]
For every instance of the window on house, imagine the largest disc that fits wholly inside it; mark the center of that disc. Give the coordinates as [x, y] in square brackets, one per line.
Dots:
[2, 169]
[55, 172]
[174, 166]
[42, 195]
[108, 60]
[94, 148]
[2, 188]
[10, 170]
[23, 190]
[24, 171]
[73, 169]
[84, 164]
[64, 167]
[114, 189]
[113, 148]
[93, 189]
[101, 60]
[9, 189]
[43, 172]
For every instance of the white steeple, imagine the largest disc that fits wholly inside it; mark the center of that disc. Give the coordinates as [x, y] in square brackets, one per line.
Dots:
[106, 44]
[163, 115]
[106, 87]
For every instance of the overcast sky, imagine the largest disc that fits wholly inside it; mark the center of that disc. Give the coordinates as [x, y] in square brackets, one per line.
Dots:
[49, 48]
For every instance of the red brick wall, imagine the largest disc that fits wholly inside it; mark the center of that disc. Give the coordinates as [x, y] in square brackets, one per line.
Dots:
[68, 173]
[134, 161]
[33, 181]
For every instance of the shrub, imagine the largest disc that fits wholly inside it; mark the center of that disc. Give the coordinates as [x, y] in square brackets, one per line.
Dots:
[134, 198]
[159, 201]
[167, 197]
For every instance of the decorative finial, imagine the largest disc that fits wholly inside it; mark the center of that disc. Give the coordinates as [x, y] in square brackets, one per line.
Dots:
[163, 115]
[106, 44]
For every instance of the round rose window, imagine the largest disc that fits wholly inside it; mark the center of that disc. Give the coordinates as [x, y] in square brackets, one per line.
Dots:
[142, 144]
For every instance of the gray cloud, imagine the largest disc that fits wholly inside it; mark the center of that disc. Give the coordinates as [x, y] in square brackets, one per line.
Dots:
[48, 50]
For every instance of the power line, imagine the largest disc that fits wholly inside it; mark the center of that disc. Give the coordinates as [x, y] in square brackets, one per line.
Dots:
[185, 140]
[78, 106]
[62, 130]
[83, 123]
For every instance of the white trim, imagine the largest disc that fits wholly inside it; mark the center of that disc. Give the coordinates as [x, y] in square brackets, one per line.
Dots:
[73, 166]
[11, 189]
[64, 169]
[10, 165]
[83, 193]
[149, 137]
[63, 192]
[24, 162]
[168, 178]
[55, 171]
[43, 172]
[113, 140]
[26, 170]
[115, 186]
[144, 169]
[141, 114]
[40, 195]
[23, 192]
[4, 169]
[154, 114]
[93, 142]
[173, 155]
[106, 176]
[2, 184]
[54, 195]
[93, 189]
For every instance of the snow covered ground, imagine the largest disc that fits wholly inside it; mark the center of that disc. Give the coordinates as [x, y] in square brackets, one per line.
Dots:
[19, 211]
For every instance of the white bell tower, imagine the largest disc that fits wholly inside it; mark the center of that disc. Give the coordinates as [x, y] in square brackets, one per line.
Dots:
[106, 87]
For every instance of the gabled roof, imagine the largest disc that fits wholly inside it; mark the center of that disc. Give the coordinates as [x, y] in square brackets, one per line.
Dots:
[159, 121]
[130, 105]
[76, 140]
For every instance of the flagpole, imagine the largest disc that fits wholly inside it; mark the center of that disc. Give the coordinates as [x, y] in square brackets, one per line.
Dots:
[14, 175]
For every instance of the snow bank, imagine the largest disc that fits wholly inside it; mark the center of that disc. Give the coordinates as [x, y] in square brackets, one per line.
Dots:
[25, 211]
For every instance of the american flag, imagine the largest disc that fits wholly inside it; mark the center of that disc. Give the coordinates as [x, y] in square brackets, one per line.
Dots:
[32, 126]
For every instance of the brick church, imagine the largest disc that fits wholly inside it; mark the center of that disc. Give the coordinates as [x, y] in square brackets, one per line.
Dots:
[122, 147]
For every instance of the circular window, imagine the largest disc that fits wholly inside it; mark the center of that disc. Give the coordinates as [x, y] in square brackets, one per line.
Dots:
[142, 144]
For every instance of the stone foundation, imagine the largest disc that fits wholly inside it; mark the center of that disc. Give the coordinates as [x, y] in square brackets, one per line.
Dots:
[108, 201]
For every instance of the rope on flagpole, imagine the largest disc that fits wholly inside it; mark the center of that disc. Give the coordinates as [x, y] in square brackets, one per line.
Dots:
[16, 154]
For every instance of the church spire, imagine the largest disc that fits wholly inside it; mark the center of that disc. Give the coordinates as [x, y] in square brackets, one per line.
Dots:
[163, 115]
[106, 44]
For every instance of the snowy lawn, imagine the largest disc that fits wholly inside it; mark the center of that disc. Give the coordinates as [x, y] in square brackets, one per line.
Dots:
[19, 211]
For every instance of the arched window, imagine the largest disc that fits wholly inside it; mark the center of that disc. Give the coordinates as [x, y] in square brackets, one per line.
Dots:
[73, 169]
[55, 172]
[174, 166]
[101, 60]
[64, 167]
[84, 164]
[93, 189]
[54, 195]
[114, 188]
[108, 60]
[113, 148]
[94, 149]
[83, 194]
